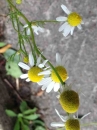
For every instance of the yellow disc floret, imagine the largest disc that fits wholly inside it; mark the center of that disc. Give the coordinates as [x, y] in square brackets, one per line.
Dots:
[74, 19]
[33, 74]
[72, 124]
[69, 101]
[62, 73]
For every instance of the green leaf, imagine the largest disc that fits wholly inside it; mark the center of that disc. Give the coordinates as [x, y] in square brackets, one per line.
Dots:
[17, 125]
[39, 122]
[25, 127]
[2, 44]
[40, 128]
[23, 106]
[13, 69]
[32, 117]
[11, 54]
[26, 121]
[30, 111]
[10, 113]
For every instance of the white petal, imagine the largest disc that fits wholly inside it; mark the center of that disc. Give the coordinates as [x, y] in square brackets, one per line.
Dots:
[56, 87]
[63, 26]
[67, 30]
[65, 9]
[35, 28]
[24, 66]
[36, 31]
[61, 117]
[27, 80]
[40, 65]
[45, 72]
[72, 29]
[40, 29]
[47, 68]
[25, 26]
[50, 87]
[23, 76]
[58, 59]
[61, 18]
[86, 115]
[31, 59]
[79, 27]
[44, 87]
[57, 124]
[38, 60]
[28, 31]
[45, 80]
[43, 64]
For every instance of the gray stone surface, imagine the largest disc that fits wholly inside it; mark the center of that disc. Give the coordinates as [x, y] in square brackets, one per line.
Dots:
[81, 50]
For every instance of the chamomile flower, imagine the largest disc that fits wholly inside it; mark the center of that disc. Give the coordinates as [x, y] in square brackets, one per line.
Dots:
[70, 22]
[51, 81]
[69, 101]
[70, 122]
[35, 28]
[33, 69]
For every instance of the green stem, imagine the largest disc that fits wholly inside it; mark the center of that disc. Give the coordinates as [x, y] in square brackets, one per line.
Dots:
[89, 124]
[42, 21]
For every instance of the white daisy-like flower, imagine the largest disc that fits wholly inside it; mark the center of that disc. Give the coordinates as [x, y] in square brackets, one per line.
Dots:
[33, 69]
[35, 28]
[70, 122]
[51, 81]
[71, 21]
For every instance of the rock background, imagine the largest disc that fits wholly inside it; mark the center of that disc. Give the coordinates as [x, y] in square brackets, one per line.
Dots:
[81, 51]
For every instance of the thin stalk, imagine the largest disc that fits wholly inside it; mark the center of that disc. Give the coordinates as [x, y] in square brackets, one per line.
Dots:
[33, 40]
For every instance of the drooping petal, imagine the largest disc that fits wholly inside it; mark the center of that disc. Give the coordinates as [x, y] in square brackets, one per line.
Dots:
[58, 59]
[61, 117]
[67, 30]
[57, 124]
[65, 9]
[56, 87]
[61, 18]
[45, 72]
[28, 31]
[35, 28]
[44, 87]
[24, 66]
[79, 27]
[50, 87]
[23, 76]
[63, 26]
[31, 59]
[86, 115]
[40, 29]
[72, 29]
[45, 80]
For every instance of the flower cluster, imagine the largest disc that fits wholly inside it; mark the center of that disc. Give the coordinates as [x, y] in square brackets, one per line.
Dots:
[40, 70]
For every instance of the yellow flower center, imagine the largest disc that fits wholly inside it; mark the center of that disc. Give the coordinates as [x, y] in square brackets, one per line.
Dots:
[33, 74]
[26, 59]
[62, 73]
[18, 1]
[69, 101]
[72, 124]
[74, 19]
